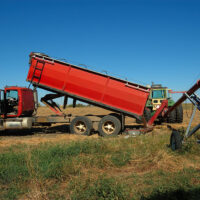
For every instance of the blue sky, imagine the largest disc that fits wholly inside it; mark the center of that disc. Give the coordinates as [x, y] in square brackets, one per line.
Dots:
[141, 40]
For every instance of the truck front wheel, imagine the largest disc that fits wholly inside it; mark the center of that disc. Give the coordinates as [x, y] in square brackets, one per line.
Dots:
[81, 125]
[109, 126]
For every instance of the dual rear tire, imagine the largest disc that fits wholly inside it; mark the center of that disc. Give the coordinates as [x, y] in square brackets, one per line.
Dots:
[109, 125]
[146, 114]
[81, 125]
[176, 116]
[179, 114]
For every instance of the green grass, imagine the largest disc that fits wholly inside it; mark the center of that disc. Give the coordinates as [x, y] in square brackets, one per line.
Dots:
[109, 168]
[102, 188]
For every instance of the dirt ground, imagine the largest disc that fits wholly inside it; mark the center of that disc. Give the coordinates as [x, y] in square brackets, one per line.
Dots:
[60, 132]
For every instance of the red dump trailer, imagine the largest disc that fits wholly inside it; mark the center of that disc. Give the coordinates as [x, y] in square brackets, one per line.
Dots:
[87, 86]
[64, 79]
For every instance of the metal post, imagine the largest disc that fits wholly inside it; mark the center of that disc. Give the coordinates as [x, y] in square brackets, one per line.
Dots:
[122, 121]
[65, 101]
[194, 130]
[74, 103]
[190, 123]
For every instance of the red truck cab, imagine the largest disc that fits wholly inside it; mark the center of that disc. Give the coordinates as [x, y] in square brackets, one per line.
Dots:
[16, 102]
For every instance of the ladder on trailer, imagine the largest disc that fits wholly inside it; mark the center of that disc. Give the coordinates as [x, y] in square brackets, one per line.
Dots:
[38, 69]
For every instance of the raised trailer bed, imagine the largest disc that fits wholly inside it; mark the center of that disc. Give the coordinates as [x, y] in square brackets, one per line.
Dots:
[64, 79]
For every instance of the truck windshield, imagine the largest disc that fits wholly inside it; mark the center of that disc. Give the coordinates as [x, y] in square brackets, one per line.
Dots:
[158, 94]
[12, 94]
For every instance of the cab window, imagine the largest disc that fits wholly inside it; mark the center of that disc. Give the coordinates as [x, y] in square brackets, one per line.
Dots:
[12, 94]
[158, 94]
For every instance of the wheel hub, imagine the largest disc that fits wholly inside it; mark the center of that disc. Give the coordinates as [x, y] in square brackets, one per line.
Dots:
[109, 127]
[80, 127]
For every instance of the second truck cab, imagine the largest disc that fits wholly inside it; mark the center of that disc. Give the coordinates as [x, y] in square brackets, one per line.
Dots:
[157, 95]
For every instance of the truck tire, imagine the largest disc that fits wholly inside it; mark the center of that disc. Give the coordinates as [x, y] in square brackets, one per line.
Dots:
[176, 140]
[109, 126]
[179, 114]
[81, 125]
[147, 116]
[172, 117]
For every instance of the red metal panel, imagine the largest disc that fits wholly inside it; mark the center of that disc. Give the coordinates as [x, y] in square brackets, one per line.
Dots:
[28, 104]
[89, 85]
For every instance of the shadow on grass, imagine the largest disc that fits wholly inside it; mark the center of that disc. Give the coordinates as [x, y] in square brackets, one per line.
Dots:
[180, 194]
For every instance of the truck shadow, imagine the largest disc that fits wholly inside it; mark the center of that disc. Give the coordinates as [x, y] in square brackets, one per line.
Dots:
[57, 129]
[61, 129]
[16, 132]
[179, 194]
